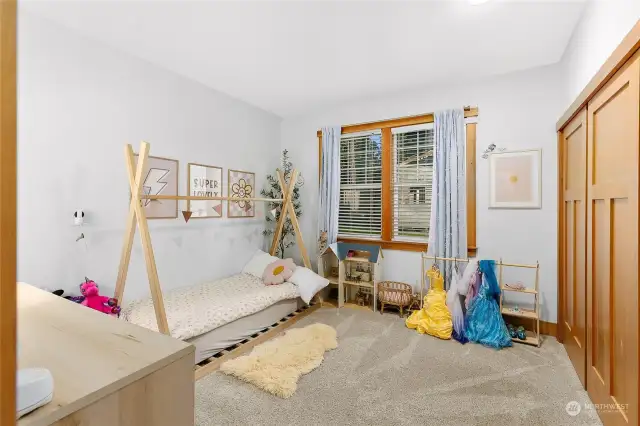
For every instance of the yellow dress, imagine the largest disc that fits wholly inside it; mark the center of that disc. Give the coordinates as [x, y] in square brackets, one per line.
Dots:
[434, 318]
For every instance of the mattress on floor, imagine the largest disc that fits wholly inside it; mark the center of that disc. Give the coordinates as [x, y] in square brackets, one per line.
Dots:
[214, 341]
[192, 311]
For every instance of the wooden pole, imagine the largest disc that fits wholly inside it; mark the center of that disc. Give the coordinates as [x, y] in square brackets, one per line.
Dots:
[202, 198]
[294, 222]
[537, 295]
[421, 280]
[135, 183]
[453, 259]
[127, 245]
[8, 172]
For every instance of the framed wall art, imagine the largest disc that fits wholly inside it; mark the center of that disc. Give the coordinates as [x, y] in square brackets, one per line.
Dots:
[204, 181]
[160, 178]
[515, 179]
[241, 185]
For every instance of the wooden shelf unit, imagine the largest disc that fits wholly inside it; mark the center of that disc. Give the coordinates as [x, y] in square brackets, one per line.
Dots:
[523, 313]
[367, 284]
[516, 290]
[533, 336]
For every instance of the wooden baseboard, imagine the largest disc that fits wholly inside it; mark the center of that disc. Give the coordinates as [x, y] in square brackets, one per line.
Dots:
[210, 365]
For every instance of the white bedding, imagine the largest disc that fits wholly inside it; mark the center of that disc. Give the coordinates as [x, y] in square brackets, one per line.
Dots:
[198, 309]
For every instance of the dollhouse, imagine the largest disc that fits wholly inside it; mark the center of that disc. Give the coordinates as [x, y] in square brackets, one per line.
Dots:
[356, 269]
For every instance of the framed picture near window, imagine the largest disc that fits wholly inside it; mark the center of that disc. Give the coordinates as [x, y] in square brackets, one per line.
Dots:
[204, 181]
[160, 178]
[241, 185]
[515, 179]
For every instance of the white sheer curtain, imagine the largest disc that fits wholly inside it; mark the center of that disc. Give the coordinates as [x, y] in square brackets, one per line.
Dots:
[329, 184]
[448, 222]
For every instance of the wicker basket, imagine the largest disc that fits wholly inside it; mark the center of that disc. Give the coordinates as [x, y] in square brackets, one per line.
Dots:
[396, 294]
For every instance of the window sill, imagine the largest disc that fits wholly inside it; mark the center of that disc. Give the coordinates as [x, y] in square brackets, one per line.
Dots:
[398, 245]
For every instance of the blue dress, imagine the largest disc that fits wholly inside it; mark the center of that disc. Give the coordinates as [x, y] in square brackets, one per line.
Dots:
[484, 323]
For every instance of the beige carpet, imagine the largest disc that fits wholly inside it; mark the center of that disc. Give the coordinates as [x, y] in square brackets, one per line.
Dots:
[384, 374]
[276, 365]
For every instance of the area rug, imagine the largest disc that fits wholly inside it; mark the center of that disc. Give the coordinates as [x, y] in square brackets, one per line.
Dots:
[276, 365]
[384, 374]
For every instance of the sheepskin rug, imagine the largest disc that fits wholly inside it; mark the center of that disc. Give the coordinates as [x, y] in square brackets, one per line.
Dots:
[276, 365]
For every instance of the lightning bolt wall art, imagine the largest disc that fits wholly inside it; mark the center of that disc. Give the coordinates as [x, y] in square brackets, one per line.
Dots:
[160, 178]
[153, 184]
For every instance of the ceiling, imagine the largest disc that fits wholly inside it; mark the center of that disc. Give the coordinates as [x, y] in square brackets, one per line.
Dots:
[291, 57]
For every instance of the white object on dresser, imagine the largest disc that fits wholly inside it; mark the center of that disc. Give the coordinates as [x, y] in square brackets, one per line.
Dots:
[35, 389]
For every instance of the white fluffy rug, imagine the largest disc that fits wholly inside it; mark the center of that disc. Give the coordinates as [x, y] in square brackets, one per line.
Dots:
[275, 366]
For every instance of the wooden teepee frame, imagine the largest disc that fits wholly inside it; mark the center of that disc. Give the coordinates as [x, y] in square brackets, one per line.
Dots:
[138, 218]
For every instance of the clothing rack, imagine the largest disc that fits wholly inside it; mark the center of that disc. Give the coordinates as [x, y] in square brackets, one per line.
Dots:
[532, 338]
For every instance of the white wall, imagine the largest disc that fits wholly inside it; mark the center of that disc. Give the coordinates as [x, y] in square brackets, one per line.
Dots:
[517, 111]
[602, 27]
[79, 103]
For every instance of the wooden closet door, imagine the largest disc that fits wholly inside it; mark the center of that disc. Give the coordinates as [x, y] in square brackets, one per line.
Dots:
[613, 124]
[574, 242]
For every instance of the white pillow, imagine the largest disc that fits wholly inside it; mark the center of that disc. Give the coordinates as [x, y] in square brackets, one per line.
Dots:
[308, 282]
[258, 263]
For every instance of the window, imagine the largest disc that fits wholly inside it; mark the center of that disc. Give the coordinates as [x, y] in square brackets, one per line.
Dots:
[412, 178]
[386, 174]
[360, 213]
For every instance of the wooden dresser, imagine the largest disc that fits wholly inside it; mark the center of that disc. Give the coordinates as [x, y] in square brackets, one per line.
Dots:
[106, 371]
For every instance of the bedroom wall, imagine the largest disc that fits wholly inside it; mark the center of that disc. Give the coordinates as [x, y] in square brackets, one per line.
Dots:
[603, 25]
[517, 111]
[79, 102]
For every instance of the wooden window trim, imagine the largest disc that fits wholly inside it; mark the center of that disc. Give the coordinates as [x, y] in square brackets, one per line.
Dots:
[385, 127]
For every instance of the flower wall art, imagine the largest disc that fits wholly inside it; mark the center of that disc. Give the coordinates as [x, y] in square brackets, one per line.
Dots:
[241, 185]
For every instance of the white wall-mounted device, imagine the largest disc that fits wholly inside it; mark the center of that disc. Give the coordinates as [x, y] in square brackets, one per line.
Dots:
[78, 217]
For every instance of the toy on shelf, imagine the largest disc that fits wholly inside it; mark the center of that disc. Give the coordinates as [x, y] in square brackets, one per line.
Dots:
[94, 300]
[434, 318]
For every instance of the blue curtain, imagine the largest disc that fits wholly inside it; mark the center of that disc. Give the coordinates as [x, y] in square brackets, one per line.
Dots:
[448, 222]
[329, 184]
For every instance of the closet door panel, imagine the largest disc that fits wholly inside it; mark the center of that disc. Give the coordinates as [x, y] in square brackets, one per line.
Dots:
[601, 324]
[574, 140]
[624, 314]
[612, 246]
[570, 287]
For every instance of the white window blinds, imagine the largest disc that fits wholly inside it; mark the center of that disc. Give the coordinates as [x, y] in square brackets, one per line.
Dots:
[412, 178]
[360, 213]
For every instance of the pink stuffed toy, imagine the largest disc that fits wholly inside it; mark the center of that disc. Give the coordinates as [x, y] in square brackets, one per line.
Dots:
[93, 300]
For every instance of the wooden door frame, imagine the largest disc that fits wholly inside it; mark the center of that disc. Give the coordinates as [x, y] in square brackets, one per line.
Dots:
[8, 288]
[561, 230]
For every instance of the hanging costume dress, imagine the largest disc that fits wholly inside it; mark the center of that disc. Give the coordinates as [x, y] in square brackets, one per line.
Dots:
[455, 307]
[484, 323]
[434, 318]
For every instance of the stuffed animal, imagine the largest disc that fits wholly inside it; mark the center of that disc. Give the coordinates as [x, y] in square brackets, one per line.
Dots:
[93, 300]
